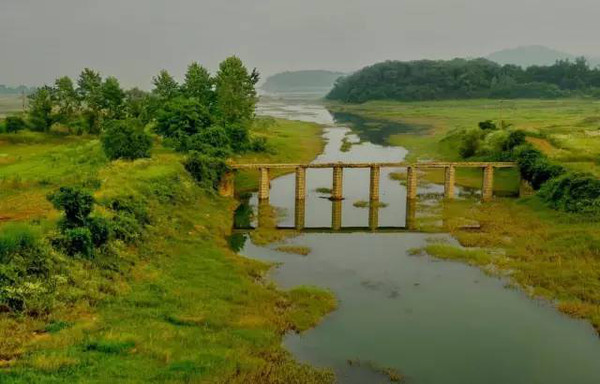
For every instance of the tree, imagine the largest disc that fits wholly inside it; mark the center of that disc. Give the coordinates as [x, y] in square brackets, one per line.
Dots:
[136, 103]
[235, 92]
[66, 99]
[112, 98]
[40, 109]
[126, 139]
[198, 84]
[14, 124]
[165, 86]
[89, 88]
[182, 117]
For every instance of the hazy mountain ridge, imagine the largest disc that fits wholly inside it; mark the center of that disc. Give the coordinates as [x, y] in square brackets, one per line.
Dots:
[526, 56]
[308, 80]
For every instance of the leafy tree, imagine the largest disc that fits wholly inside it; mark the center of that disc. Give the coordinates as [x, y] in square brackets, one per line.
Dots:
[40, 109]
[206, 170]
[14, 124]
[136, 104]
[77, 204]
[165, 86]
[66, 99]
[470, 143]
[89, 88]
[198, 84]
[126, 139]
[235, 92]
[113, 98]
[182, 117]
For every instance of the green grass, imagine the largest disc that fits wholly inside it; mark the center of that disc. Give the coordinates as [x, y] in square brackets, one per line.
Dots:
[177, 307]
[568, 130]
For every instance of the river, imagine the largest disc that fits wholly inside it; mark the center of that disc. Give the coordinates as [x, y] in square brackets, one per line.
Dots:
[434, 321]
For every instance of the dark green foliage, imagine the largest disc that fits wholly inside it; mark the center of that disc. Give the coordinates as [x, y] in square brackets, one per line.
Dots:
[182, 117]
[573, 192]
[14, 124]
[99, 229]
[465, 79]
[40, 109]
[515, 138]
[109, 347]
[470, 143]
[26, 269]
[206, 170]
[126, 227]
[77, 204]
[487, 125]
[131, 206]
[126, 139]
[258, 144]
[535, 166]
[78, 242]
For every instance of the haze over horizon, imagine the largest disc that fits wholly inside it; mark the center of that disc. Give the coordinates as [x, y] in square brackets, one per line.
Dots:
[134, 39]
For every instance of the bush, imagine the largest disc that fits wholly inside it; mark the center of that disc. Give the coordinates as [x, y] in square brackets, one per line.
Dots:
[535, 166]
[100, 230]
[515, 139]
[258, 144]
[132, 206]
[470, 143]
[77, 204]
[126, 227]
[206, 170]
[78, 242]
[487, 125]
[14, 124]
[126, 139]
[573, 192]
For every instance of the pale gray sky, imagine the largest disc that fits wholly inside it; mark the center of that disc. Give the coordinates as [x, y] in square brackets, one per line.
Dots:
[133, 39]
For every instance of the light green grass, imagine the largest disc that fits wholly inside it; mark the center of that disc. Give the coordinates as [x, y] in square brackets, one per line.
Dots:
[180, 308]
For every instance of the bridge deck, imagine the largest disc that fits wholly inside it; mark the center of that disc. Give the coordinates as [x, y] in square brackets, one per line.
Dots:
[466, 164]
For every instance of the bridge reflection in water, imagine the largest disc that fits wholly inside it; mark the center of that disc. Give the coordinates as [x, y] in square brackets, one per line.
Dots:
[266, 220]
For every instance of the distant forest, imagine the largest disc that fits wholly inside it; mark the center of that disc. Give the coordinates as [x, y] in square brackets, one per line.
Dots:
[466, 79]
[301, 81]
[5, 90]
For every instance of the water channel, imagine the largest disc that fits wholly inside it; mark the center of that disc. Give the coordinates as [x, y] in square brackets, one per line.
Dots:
[434, 321]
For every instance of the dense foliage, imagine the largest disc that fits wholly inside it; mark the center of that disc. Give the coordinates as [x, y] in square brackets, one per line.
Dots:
[126, 139]
[465, 79]
[560, 189]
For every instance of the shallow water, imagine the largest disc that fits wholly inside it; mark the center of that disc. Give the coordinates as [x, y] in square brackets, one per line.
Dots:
[434, 321]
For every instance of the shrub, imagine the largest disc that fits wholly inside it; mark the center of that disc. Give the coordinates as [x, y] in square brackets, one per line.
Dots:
[515, 139]
[206, 170]
[77, 204]
[14, 124]
[132, 206]
[99, 229]
[126, 139]
[535, 166]
[78, 242]
[470, 143]
[126, 227]
[258, 144]
[487, 125]
[573, 192]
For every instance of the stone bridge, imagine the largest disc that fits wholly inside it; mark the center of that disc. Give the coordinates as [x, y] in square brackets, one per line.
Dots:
[227, 183]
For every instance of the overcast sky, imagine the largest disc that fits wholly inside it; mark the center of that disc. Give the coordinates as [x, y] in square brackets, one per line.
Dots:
[134, 39]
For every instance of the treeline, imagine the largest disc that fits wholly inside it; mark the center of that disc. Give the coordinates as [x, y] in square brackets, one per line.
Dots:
[466, 79]
[558, 187]
[6, 90]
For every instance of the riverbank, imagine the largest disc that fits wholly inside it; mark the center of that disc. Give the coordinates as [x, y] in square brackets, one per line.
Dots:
[178, 306]
[550, 254]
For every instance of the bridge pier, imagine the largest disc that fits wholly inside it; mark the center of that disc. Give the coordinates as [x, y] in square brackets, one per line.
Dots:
[336, 193]
[227, 184]
[411, 214]
[449, 182]
[488, 183]
[264, 184]
[411, 183]
[299, 214]
[336, 215]
[300, 183]
[373, 215]
[374, 183]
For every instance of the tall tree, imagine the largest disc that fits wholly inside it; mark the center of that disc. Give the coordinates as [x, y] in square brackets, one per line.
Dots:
[165, 86]
[89, 88]
[112, 98]
[65, 98]
[235, 92]
[40, 109]
[198, 84]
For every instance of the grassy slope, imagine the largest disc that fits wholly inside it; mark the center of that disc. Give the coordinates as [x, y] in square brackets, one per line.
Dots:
[182, 308]
[552, 254]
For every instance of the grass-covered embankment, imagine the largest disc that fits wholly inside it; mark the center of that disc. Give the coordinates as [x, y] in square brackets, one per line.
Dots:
[175, 306]
[551, 254]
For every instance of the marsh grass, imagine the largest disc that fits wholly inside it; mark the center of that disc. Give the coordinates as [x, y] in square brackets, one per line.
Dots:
[294, 249]
[366, 204]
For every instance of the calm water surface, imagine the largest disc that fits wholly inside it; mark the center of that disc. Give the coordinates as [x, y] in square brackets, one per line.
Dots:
[434, 321]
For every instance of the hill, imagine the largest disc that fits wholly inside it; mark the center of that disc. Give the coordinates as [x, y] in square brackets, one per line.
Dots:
[527, 56]
[302, 81]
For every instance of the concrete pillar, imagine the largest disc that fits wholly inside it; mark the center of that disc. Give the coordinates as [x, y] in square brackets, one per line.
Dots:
[411, 214]
[336, 215]
[299, 214]
[488, 183]
[227, 185]
[411, 183]
[263, 184]
[336, 193]
[265, 215]
[449, 182]
[373, 215]
[374, 183]
[300, 183]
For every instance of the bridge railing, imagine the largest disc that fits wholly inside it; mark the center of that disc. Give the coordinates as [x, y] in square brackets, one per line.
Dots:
[227, 187]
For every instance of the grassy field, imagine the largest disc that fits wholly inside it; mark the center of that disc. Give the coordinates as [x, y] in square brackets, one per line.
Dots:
[177, 307]
[549, 254]
[10, 104]
[567, 130]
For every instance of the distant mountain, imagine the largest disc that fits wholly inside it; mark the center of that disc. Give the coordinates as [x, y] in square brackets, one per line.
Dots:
[534, 55]
[313, 81]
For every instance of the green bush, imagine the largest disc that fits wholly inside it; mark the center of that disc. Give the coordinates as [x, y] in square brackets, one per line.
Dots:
[470, 143]
[206, 170]
[132, 206]
[77, 204]
[126, 227]
[573, 192]
[99, 229]
[78, 242]
[535, 166]
[126, 139]
[14, 124]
